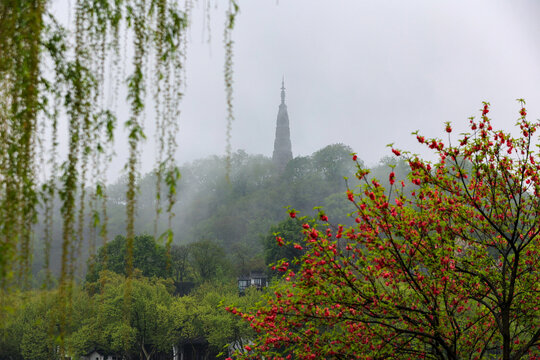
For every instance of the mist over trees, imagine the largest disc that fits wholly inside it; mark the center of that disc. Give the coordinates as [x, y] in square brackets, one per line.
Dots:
[235, 214]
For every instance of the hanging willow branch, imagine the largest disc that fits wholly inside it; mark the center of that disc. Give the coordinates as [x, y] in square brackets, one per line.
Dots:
[21, 23]
[69, 78]
[227, 40]
[170, 58]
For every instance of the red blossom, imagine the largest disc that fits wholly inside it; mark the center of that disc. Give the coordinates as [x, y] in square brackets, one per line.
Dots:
[391, 178]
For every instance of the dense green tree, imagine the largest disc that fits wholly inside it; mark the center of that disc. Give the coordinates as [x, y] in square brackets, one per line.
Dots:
[11, 327]
[30, 329]
[333, 162]
[148, 256]
[201, 317]
[338, 208]
[290, 248]
[180, 266]
[244, 260]
[155, 320]
[131, 322]
[208, 261]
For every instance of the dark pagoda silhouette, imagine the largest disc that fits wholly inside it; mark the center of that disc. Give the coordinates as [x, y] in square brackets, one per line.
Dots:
[282, 143]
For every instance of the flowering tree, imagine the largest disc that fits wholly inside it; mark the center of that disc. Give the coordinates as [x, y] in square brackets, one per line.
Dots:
[447, 271]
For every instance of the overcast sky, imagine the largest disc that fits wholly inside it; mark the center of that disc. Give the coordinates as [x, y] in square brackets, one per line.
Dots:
[362, 73]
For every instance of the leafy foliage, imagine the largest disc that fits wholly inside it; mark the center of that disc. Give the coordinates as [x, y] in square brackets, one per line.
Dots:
[145, 333]
[157, 319]
[148, 256]
[208, 261]
[276, 249]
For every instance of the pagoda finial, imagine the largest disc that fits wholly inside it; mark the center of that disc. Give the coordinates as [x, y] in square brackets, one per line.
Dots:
[283, 90]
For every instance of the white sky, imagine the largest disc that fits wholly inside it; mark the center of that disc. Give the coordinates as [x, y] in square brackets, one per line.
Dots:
[362, 73]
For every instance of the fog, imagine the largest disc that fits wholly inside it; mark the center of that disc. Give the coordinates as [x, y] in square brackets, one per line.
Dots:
[362, 73]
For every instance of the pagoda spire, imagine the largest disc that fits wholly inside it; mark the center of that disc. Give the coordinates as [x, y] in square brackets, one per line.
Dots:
[283, 90]
[282, 142]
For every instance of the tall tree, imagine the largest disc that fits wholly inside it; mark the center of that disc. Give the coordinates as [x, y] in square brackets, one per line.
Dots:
[275, 248]
[148, 329]
[148, 256]
[208, 261]
[448, 272]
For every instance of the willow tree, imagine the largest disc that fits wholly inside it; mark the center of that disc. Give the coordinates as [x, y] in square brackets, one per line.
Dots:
[52, 73]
